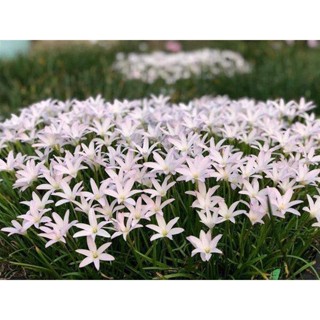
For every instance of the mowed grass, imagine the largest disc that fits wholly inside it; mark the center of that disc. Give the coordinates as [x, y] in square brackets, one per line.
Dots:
[79, 71]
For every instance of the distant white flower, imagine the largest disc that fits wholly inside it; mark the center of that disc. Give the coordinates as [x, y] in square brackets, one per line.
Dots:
[170, 67]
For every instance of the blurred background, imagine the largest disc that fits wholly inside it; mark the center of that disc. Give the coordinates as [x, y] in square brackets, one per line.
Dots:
[31, 71]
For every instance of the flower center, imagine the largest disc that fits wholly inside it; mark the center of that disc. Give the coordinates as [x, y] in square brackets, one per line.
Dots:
[137, 216]
[196, 175]
[165, 168]
[164, 233]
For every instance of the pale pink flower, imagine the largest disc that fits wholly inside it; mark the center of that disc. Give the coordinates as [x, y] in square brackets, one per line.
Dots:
[197, 169]
[123, 193]
[37, 202]
[108, 209]
[277, 173]
[210, 219]
[71, 166]
[185, 142]
[139, 211]
[102, 126]
[98, 192]
[54, 182]
[16, 228]
[225, 173]
[11, 162]
[313, 43]
[159, 190]
[310, 157]
[228, 213]
[146, 149]
[29, 173]
[205, 245]
[95, 255]
[84, 205]
[48, 139]
[155, 206]
[163, 229]
[63, 224]
[123, 227]
[167, 165]
[173, 46]
[57, 231]
[224, 156]
[314, 207]
[256, 212]
[287, 183]
[128, 128]
[92, 229]
[205, 199]
[92, 155]
[282, 204]
[263, 160]
[129, 161]
[68, 194]
[306, 176]
[75, 131]
[252, 190]
[34, 217]
[249, 169]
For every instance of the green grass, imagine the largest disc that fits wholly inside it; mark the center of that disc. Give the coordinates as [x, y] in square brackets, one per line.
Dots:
[79, 71]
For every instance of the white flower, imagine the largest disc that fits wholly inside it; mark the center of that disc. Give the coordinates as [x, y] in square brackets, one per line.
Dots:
[68, 194]
[29, 173]
[170, 67]
[163, 229]
[228, 213]
[205, 245]
[16, 228]
[95, 255]
[92, 229]
[314, 207]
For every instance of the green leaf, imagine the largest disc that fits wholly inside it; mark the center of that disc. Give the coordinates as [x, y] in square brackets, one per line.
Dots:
[275, 274]
[175, 275]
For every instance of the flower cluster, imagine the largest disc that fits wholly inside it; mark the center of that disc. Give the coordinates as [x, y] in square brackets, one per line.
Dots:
[171, 67]
[104, 171]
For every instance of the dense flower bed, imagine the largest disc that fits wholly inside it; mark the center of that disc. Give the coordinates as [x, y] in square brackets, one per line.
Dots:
[170, 67]
[214, 188]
